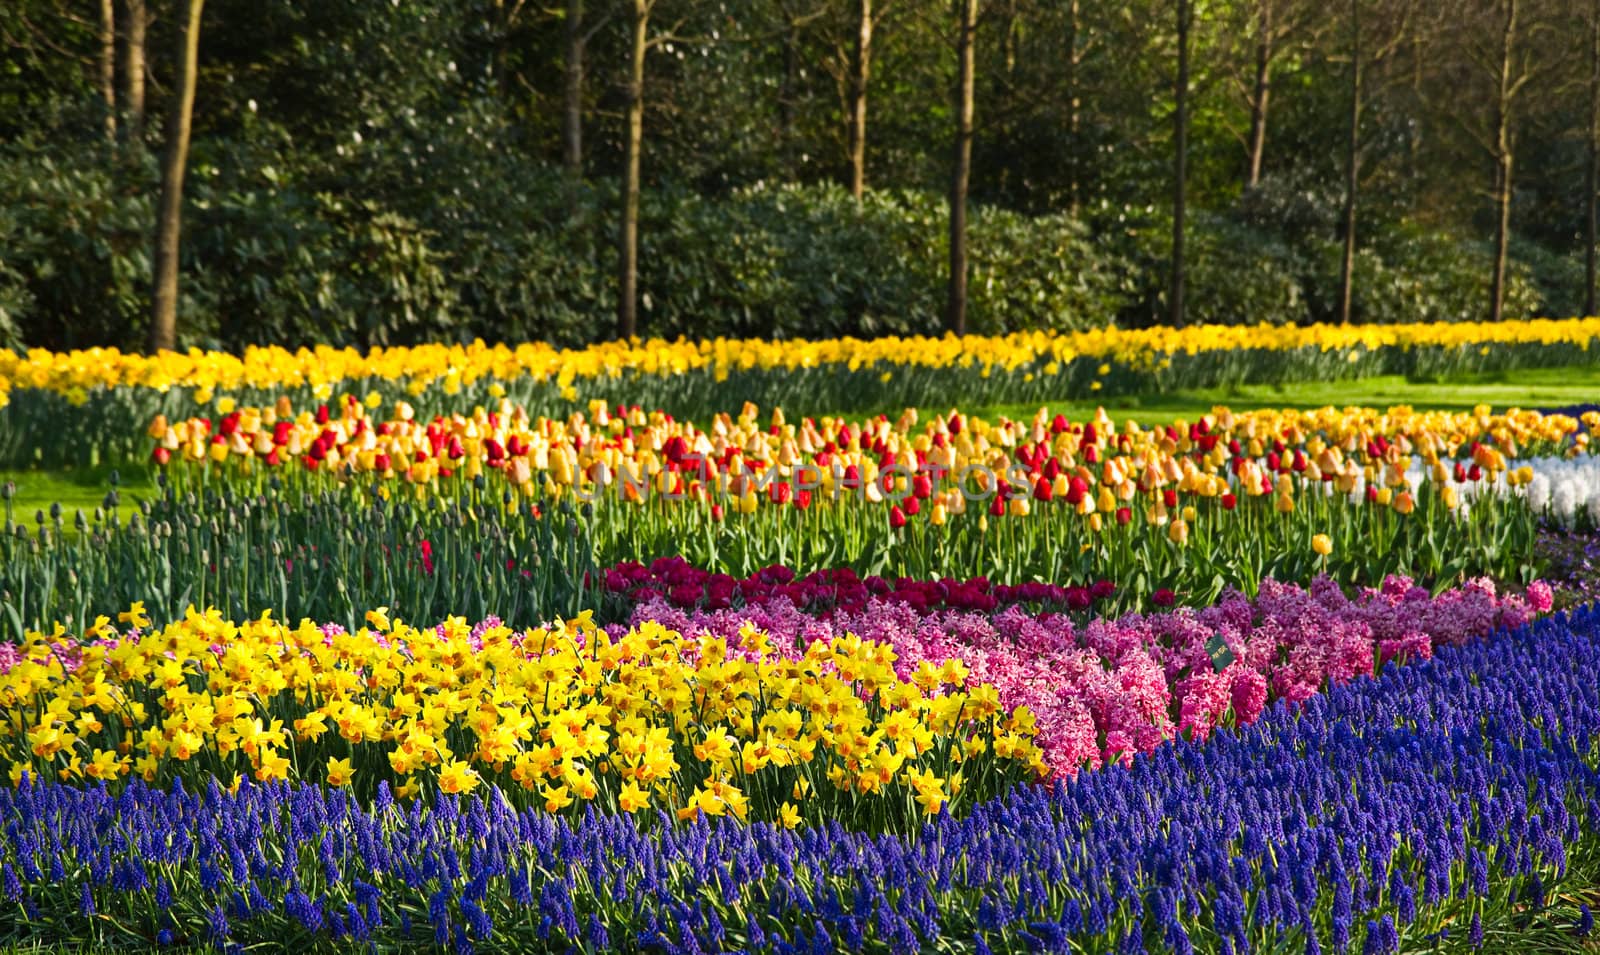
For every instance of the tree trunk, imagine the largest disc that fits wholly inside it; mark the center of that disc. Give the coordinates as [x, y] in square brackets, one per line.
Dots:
[628, 257]
[108, 65]
[1352, 167]
[133, 66]
[169, 215]
[956, 305]
[1180, 143]
[1074, 186]
[572, 107]
[1592, 196]
[1502, 235]
[1503, 159]
[860, 72]
[1261, 90]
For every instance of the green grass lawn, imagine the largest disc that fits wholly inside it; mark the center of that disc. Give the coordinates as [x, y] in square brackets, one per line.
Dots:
[1533, 388]
[76, 489]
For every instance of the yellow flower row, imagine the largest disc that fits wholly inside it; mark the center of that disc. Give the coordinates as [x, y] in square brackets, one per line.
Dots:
[78, 372]
[567, 715]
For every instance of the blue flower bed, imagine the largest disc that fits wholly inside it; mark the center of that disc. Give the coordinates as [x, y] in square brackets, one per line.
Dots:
[1391, 813]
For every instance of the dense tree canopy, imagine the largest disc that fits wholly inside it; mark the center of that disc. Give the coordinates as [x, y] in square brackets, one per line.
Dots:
[381, 172]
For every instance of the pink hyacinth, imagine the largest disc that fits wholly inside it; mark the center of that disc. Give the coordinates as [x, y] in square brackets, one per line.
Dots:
[1116, 688]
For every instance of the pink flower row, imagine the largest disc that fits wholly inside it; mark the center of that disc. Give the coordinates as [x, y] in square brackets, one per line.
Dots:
[1106, 690]
[675, 581]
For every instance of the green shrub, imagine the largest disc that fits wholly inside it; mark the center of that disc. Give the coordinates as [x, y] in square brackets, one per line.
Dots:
[1415, 275]
[76, 251]
[1234, 274]
[482, 243]
[1558, 279]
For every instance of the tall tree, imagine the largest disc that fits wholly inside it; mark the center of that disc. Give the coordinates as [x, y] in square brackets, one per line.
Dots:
[632, 143]
[1509, 82]
[135, 23]
[1352, 168]
[108, 65]
[1180, 161]
[1388, 35]
[961, 168]
[579, 32]
[866, 20]
[1274, 29]
[1592, 174]
[169, 212]
[1073, 100]
[1504, 47]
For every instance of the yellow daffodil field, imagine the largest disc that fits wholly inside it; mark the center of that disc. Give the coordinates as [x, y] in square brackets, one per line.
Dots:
[693, 646]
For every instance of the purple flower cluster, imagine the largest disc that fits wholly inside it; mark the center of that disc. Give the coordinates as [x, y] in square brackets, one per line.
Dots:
[681, 584]
[1411, 802]
[1108, 689]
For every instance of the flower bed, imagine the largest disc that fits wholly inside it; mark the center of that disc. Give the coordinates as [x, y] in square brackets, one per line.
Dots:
[567, 718]
[1424, 804]
[1103, 690]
